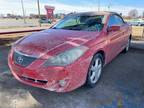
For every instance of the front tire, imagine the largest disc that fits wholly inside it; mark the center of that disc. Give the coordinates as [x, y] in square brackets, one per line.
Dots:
[95, 70]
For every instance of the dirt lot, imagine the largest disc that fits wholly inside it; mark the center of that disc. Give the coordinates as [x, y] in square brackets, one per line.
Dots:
[13, 23]
[121, 86]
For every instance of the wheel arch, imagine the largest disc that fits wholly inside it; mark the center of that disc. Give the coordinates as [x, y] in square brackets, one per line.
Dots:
[103, 55]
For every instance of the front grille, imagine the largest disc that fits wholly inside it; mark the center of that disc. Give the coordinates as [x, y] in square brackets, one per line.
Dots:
[22, 59]
[33, 80]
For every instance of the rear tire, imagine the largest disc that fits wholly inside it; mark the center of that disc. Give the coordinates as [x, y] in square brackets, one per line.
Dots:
[94, 71]
[127, 46]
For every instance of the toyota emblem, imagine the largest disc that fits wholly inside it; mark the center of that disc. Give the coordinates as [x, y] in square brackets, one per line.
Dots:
[19, 59]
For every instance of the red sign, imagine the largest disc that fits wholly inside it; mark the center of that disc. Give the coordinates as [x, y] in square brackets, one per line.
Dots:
[50, 11]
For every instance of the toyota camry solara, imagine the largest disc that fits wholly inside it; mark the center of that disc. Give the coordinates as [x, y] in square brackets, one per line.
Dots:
[71, 53]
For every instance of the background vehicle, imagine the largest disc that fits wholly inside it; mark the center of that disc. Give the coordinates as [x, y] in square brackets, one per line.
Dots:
[136, 22]
[45, 20]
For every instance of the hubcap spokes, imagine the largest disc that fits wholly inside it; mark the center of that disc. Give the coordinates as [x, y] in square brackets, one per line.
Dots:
[96, 70]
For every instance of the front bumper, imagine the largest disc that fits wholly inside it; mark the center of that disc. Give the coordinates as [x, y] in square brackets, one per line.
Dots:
[58, 79]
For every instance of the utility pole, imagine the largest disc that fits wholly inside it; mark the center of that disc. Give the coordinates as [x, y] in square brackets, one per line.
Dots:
[98, 5]
[143, 26]
[143, 33]
[23, 11]
[38, 4]
[109, 5]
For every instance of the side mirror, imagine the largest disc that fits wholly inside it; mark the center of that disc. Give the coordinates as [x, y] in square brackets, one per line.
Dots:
[113, 28]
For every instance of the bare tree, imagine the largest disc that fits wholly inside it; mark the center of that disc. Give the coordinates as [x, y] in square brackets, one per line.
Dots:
[133, 13]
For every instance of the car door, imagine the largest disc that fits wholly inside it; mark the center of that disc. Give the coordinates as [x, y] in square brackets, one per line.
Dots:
[124, 32]
[114, 37]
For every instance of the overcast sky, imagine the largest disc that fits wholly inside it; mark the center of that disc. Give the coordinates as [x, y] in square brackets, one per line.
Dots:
[121, 6]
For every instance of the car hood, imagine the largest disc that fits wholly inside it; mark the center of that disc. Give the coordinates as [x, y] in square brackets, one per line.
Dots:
[59, 40]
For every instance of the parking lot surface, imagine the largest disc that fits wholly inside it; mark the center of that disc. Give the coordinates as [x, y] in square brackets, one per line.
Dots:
[121, 86]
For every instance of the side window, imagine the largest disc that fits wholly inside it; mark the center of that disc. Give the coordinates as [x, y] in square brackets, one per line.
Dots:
[118, 20]
[111, 21]
[115, 20]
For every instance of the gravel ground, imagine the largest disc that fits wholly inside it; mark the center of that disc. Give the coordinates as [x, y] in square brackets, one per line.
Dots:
[121, 86]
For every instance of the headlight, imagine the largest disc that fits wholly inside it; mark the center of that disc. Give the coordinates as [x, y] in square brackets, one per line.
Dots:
[66, 57]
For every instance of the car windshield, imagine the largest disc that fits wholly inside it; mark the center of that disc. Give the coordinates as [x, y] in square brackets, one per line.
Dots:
[81, 23]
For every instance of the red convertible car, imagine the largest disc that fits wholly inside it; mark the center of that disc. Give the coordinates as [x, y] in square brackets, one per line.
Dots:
[71, 53]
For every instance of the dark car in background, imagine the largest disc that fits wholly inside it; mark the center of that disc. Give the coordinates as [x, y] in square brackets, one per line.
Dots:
[45, 20]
